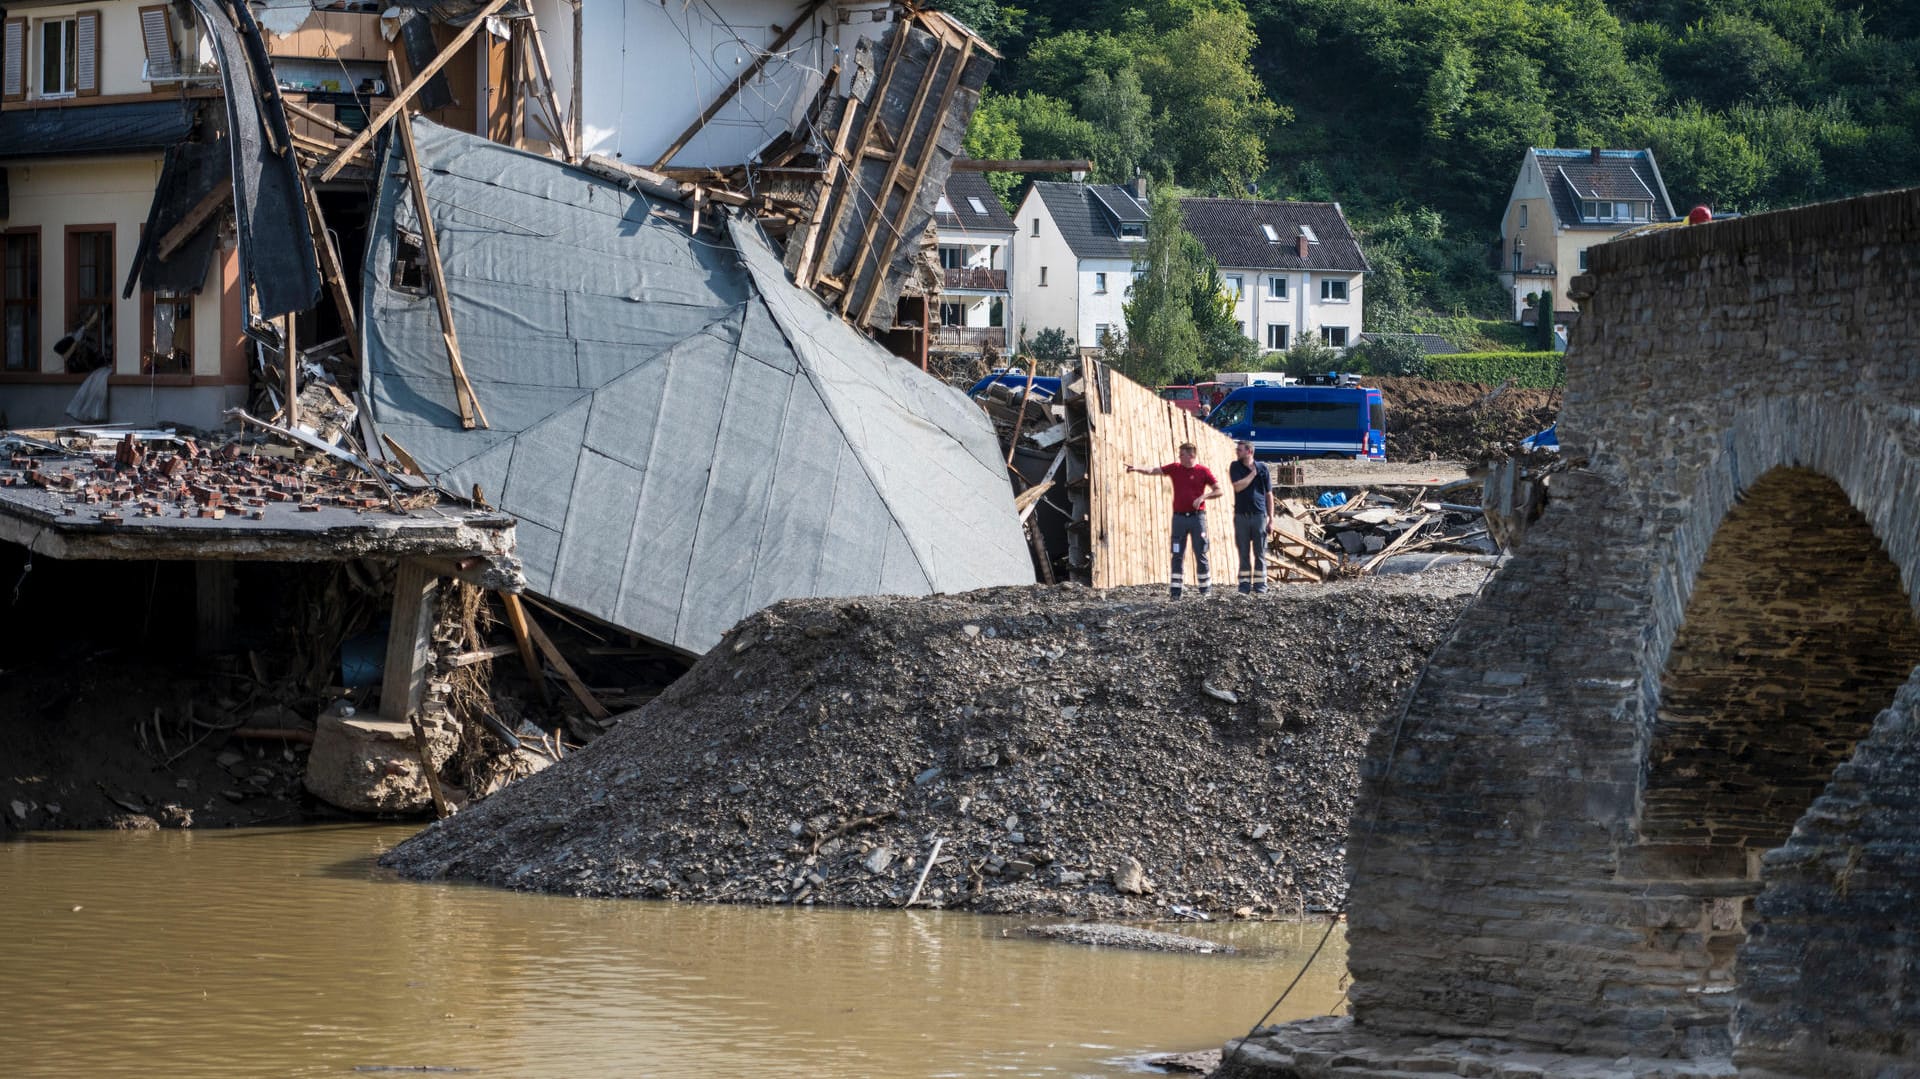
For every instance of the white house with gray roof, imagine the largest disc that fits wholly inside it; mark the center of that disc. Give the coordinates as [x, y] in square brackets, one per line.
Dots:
[1295, 269]
[976, 252]
[1073, 258]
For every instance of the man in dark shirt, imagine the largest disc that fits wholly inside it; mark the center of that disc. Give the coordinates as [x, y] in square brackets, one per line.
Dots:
[1192, 486]
[1252, 496]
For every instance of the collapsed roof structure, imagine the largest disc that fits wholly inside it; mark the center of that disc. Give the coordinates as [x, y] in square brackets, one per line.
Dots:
[684, 434]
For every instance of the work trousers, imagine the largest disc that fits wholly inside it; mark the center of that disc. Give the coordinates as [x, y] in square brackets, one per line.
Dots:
[1190, 530]
[1250, 548]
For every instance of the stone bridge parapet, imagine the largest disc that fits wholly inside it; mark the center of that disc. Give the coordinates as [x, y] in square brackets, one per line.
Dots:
[1659, 795]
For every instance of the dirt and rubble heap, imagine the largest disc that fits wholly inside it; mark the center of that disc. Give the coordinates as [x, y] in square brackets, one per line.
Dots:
[1461, 421]
[1099, 754]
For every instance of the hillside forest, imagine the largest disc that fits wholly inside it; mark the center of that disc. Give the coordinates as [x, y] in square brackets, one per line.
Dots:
[1414, 114]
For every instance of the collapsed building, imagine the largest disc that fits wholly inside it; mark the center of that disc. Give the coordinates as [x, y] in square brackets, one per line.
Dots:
[213, 208]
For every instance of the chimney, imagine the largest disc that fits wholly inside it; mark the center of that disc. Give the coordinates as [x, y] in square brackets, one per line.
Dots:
[1300, 245]
[1596, 155]
[1140, 186]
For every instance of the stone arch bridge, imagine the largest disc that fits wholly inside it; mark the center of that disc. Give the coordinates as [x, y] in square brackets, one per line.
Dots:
[1658, 797]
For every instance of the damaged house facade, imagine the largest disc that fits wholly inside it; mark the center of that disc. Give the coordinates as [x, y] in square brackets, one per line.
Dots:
[103, 105]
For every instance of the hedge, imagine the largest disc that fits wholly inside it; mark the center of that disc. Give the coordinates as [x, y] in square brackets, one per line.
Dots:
[1538, 370]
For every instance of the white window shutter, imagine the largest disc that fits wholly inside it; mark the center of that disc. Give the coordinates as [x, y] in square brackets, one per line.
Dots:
[13, 61]
[156, 33]
[86, 31]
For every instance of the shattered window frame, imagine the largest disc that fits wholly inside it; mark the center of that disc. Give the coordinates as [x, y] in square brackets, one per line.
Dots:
[178, 360]
[410, 272]
[90, 261]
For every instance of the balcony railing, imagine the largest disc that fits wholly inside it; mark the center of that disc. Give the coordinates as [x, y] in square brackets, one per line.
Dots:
[970, 336]
[978, 278]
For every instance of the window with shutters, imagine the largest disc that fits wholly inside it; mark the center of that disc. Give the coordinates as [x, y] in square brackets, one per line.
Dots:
[20, 299]
[13, 60]
[58, 58]
[90, 279]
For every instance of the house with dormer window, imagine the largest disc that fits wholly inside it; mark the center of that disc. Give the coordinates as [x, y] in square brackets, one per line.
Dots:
[1073, 264]
[1566, 201]
[1294, 269]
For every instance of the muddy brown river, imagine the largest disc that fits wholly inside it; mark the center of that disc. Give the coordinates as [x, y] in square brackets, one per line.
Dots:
[289, 953]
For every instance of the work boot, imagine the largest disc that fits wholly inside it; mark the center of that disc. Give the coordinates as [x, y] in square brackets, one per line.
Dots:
[1246, 590]
[1174, 592]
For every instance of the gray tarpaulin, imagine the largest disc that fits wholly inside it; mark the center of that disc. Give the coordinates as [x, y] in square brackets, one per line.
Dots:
[684, 435]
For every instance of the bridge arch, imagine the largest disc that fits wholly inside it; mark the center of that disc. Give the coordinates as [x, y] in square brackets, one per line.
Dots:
[1668, 768]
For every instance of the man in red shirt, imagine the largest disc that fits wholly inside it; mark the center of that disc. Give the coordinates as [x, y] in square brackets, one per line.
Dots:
[1192, 486]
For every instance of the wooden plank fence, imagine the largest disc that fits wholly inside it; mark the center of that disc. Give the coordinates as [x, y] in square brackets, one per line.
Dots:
[1131, 516]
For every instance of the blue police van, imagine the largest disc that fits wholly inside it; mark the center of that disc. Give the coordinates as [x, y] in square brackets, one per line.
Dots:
[1306, 421]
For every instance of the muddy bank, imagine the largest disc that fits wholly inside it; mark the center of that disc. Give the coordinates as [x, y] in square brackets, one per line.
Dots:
[1077, 753]
[1454, 421]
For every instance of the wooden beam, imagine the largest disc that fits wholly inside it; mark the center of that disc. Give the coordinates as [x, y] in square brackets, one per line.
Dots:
[470, 411]
[517, 619]
[877, 93]
[180, 233]
[803, 273]
[879, 210]
[409, 638]
[562, 127]
[441, 808]
[918, 171]
[732, 88]
[400, 454]
[579, 689]
[308, 114]
[330, 267]
[965, 164]
[401, 98]
[573, 114]
[1398, 543]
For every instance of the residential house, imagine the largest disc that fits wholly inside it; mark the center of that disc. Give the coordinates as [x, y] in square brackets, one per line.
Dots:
[93, 95]
[976, 249]
[1294, 269]
[113, 119]
[1564, 202]
[1074, 264]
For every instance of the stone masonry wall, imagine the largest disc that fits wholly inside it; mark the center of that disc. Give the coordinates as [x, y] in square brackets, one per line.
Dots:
[1502, 883]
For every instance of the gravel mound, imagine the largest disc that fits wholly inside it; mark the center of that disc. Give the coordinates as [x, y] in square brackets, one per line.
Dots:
[1446, 421]
[1086, 754]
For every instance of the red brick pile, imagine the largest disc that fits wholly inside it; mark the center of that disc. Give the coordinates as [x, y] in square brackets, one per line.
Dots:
[151, 480]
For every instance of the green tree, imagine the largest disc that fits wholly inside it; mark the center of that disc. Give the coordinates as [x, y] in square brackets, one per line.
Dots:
[1051, 345]
[993, 134]
[1224, 346]
[1214, 115]
[1122, 119]
[1161, 335]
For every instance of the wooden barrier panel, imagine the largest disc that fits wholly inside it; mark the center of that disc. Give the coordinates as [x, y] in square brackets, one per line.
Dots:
[1131, 516]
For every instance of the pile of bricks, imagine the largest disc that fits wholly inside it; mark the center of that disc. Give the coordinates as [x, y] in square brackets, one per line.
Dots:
[140, 479]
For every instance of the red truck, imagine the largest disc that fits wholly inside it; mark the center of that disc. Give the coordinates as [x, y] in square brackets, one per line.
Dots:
[1198, 398]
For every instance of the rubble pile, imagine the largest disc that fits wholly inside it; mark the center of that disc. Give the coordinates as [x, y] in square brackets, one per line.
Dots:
[1347, 535]
[1067, 752]
[1461, 421]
